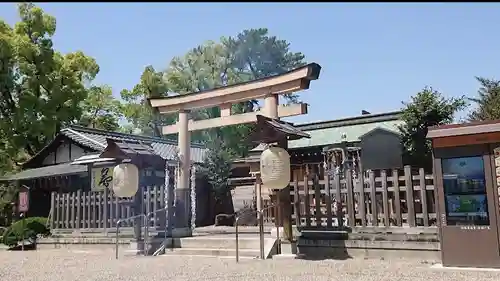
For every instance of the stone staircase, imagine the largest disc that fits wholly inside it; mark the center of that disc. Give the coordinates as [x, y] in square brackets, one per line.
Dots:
[221, 245]
[209, 241]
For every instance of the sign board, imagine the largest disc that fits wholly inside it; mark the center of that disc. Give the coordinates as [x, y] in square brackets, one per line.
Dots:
[496, 153]
[102, 178]
[24, 201]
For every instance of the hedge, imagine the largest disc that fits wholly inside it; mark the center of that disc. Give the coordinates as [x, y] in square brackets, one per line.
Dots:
[27, 228]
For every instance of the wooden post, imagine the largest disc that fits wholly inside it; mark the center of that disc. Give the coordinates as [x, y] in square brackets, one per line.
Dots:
[338, 199]
[155, 205]
[89, 210]
[397, 199]
[296, 197]
[350, 198]
[373, 196]
[328, 198]
[423, 196]
[53, 209]
[317, 199]
[307, 202]
[105, 211]
[100, 208]
[385, 198]
[67, 213]
[78, 208]
[286, 212]
[362, 199]
[94, 209]
[410, 202]
[84, 210]
[57, 210]
[148, 205]
[163, 218]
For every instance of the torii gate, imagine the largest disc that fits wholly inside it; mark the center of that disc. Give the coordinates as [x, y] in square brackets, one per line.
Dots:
[268, 89]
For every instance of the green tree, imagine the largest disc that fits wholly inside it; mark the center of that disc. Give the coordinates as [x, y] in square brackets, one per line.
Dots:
[487, 101]
[100, 109]
[40, 88]
[427, 108]
[136, 108]
[252, 54]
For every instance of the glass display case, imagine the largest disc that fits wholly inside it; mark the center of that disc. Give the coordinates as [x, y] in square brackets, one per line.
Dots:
[464, 187]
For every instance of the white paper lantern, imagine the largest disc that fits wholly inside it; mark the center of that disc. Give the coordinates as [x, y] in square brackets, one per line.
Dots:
[125, 180]
[275, 168]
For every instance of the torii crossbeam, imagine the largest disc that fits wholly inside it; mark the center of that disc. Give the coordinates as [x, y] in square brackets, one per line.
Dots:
[266, 88]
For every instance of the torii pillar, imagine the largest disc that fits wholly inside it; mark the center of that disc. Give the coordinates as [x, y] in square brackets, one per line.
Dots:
[182, 190]
[268, 89]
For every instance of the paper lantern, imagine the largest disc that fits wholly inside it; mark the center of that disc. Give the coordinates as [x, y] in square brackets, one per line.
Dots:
[125, 180]
[275, 168]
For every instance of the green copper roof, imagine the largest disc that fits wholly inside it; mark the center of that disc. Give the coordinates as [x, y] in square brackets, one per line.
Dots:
[330, 132]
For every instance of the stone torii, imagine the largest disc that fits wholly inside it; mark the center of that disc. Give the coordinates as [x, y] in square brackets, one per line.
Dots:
[268, 89]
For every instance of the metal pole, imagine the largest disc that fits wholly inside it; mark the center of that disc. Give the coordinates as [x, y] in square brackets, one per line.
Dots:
[22, 232]
[261, 235]
[237, 245]
[116, 242]
[278, 218]
[146, 234]
[260, 218]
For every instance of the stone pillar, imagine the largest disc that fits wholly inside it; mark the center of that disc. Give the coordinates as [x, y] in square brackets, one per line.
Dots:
[182, 191]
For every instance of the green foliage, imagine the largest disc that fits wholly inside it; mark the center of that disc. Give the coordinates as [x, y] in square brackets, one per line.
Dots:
[136, 109]
[100, 109]
[250, 55]
[8, 193]
[254, 54]
[427, 108]
[40, 88]
[217, 166]
[27, 228]
[488, 101]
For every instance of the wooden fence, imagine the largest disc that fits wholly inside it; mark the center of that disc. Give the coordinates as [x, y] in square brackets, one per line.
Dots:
[100, 210]
[386, 198]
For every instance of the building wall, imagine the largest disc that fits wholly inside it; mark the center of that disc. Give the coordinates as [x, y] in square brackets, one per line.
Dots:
[381, 150]
[66, 152]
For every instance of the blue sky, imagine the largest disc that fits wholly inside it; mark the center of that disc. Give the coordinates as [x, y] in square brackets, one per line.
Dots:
[373, 56]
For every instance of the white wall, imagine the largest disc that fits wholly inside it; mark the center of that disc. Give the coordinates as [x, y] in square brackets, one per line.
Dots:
[64, 155]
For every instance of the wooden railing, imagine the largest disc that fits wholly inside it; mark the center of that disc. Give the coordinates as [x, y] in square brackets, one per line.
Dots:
[100, 210]
[386, 198]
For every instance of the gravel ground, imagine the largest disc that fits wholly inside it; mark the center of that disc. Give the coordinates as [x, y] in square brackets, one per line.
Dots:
[88, 265]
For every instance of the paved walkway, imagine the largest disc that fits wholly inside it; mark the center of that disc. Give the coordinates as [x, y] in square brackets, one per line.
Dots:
[88, 265]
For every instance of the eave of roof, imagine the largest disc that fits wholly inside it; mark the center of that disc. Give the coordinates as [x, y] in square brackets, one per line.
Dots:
[350, 121]
[95, 139]
[47, 171]
[330, 132]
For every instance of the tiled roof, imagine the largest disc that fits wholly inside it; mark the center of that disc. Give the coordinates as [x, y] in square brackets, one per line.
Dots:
[47, 171]
[330, 132]
[96, 139]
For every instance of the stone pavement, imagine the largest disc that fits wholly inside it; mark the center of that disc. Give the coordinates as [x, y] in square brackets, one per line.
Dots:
[88, 265]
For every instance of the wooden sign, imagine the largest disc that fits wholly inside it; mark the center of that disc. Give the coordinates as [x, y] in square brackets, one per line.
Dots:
[24, 201]
[102, 178]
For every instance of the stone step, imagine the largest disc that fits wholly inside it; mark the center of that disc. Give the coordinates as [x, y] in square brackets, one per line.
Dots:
[222, 242]
[249, 253]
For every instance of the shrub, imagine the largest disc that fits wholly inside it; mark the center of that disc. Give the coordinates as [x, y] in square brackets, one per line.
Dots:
[27, 228]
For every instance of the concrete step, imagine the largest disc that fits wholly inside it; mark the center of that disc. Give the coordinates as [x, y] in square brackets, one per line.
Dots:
[222, 242]
[249, 253]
